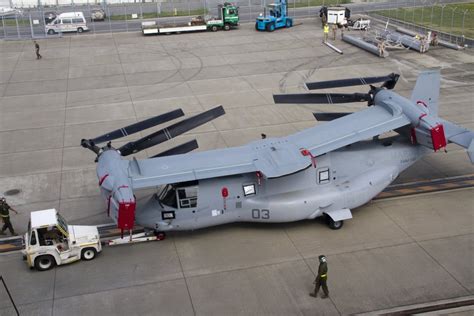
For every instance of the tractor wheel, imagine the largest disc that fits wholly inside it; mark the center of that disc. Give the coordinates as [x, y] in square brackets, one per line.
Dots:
[289, 24]
[43, 263]
[88, 254]
[226, 27]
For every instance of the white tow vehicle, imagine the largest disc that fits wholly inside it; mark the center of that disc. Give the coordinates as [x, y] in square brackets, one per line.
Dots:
[51, 241]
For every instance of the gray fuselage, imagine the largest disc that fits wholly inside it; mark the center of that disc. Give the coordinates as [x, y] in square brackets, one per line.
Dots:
[342, 179]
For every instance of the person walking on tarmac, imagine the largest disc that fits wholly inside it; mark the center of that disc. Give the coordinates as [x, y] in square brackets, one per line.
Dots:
[326, 32]
[5, 214]
[37, 49]
[321, 278]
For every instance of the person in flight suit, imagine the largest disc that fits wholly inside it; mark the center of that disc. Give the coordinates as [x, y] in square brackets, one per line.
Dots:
[37, 50]
[5, 214]
[321, 278]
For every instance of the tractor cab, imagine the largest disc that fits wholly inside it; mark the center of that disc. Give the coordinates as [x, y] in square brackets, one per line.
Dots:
[51, 241]
[274, 10]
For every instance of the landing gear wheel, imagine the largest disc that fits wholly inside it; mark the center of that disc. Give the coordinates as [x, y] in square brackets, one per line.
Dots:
[160, 235]
[335, 225]
[43, 263]
[88, 254]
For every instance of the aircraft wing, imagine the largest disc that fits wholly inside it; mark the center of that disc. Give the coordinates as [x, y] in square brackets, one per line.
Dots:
[460, 136]
[351, 128]
[273, 157]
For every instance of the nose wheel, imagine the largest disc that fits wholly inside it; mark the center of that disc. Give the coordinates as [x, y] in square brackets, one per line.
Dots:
[335, 224]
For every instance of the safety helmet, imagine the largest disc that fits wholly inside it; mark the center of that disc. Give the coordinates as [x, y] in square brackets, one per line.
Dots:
[322, 258]
[3, 199]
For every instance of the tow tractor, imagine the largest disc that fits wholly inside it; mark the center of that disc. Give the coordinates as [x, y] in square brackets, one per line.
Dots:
[277, 17]
[50, 241]
[228, 17]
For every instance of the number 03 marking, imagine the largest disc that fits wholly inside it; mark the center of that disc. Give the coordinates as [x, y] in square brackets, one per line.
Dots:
[260, 214]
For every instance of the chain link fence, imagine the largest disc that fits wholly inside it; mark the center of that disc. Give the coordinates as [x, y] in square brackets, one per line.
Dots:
[452, 22]
[126, 16]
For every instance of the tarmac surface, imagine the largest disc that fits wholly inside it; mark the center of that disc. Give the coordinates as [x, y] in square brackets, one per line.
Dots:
[395, 252]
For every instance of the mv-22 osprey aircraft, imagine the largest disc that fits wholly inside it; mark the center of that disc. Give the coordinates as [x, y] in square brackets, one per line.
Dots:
[326, 170]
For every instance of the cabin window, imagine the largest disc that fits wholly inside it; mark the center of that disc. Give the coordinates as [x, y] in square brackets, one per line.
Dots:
[187, 197]
[323, 175]
[249, 189]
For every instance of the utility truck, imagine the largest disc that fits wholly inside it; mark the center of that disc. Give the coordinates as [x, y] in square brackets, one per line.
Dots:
[276, 18]
[335, 15]
[228, 17]
[50, 241]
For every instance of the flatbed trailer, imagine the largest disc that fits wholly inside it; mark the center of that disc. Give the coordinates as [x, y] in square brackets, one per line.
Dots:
[228, 17]
[152, 27]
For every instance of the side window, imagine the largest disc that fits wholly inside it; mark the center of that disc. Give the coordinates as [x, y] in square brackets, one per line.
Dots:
[33, 238]
[249, 189]
[67, 21]
[77, 20]
[187, 197]
[323, 175]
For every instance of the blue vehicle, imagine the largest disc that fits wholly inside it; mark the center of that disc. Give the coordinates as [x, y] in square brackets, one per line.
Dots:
[277, 17]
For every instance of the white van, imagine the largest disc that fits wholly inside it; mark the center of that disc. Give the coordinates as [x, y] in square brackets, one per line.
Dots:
[68, 22]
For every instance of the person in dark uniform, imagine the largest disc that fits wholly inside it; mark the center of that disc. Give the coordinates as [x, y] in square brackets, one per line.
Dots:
[321, 278]
[37, 48]
[5, 214]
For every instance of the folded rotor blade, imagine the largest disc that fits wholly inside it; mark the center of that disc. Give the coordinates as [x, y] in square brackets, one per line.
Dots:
[138, 127]
[170, 132]
[322, 98]
[329, 116]
[180, 149]
[389, 82]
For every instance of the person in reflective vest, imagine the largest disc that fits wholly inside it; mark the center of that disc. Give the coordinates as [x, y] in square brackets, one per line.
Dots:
[321, 278]
[5, 214]
[326, 32]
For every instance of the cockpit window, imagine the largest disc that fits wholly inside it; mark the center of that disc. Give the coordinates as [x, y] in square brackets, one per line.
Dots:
[168, 196]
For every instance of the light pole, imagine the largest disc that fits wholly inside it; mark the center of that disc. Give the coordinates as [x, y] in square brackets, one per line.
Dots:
[442, 15]
[452, 23]
[463, 17]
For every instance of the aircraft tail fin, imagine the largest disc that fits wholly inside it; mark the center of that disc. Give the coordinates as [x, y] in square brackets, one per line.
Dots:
[426, 90]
